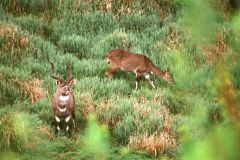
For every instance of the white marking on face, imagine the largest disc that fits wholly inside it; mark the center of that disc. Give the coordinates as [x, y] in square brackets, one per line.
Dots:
[68, 118]
[147, 76]
[64, 98]
[58, 128]
[57, 118]
[67, 128]
[62, 109]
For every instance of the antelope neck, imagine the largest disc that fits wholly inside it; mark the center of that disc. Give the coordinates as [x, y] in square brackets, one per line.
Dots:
[63, 98]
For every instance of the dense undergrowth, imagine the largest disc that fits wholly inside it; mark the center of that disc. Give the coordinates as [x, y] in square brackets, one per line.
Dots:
[198, 42]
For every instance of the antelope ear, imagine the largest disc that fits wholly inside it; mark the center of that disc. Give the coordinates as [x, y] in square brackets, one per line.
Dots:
[72, 81]
[58, 82]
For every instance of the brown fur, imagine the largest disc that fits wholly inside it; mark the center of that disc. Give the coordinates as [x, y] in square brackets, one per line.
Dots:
[139, 64]
[64, 89]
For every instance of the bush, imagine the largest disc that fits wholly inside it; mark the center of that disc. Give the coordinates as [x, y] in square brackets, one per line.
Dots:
[11, 85]
[185, 72]
[13, 43]
[77, 45]
[85, 68]
[24, 6]
[34, 25]
[42, 49]
[103, 88]
[117, 39]
[17, 130]
[95, 23]
[138, 23]
[131, 120]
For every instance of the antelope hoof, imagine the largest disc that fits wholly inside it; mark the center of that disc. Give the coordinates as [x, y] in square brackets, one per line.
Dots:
[67, 132]
[57, 131]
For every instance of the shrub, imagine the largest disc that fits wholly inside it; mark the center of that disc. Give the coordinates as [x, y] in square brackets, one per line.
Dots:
[11, 85]
[42, 49]
[134, 122]
[138, 23]
[117, 39]
[89, 68]
[34, 25]
[103, 88]
[43, 109]
[96, 139]
[185, 72]
[92, 24]
[23, 6]
[77, 45]
[12, 42]
[17, 130]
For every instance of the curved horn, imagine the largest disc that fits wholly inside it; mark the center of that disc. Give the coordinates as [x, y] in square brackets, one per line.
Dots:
[52, 73]
[69, 72]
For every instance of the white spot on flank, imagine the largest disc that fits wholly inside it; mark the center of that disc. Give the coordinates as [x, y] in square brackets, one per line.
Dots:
[151, 72]
[62, 109]
[58, 128]
[67, 128]
[57, 118]
[63, 98]
[68, 118]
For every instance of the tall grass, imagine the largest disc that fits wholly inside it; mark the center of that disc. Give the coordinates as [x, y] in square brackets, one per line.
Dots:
[17, 131]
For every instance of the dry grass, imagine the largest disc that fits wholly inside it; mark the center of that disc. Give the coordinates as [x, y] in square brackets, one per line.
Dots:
[12, 39]
[215, 50]
[33, 89]
[157, 143]
[44, 131]
[87, 106]
[171, 41]
[21, 7]
[162, 113]
[39, 133]
[108, 113]
[163, 139]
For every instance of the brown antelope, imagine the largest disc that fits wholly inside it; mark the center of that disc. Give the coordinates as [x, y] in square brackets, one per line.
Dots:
[63, 102]
[139, 64]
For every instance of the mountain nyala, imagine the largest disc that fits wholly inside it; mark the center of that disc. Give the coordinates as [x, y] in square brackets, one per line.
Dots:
[139, 64]
[63, 102]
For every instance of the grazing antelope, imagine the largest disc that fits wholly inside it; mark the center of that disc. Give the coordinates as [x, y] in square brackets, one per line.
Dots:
[139, 64]
[63, 102]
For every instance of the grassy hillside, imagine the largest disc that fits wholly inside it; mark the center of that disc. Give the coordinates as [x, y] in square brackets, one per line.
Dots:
[197, 41]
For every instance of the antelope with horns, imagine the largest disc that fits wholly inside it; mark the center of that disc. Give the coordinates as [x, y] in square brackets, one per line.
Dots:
[63, 102]
[139, 64]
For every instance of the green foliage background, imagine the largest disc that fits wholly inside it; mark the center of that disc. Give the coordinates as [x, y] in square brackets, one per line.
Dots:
[197, 117]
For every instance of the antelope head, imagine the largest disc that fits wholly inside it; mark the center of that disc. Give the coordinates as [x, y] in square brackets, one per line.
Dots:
[63, 86]
[168, 77]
